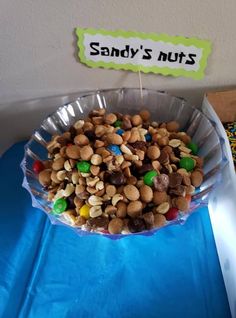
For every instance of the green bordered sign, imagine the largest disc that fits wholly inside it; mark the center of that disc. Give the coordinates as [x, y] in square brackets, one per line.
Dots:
[146, 52]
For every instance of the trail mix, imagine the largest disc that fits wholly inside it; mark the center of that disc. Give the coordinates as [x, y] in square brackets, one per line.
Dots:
[116, 173]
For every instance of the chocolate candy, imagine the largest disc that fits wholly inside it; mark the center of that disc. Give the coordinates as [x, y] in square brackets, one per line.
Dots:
[193, 147]
[148, 137]
[175, 179]
[120, 132]
[172, 214]
[145, 168]
[148, 177]
[59, 206]
[114, 149]
[38, 166]
[83, 166]
[161, 182]
[117, 123]
[186, 163]
[84, 211]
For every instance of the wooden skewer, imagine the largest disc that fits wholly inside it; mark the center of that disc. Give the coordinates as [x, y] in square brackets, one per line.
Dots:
[140, 84]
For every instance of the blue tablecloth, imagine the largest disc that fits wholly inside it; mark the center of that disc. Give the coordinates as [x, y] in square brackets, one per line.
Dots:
[49, 271]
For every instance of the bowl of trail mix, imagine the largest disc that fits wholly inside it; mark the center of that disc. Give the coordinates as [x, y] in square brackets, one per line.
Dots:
[117, 162]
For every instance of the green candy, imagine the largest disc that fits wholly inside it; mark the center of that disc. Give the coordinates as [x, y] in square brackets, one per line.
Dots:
[117, 123]
[83, 166]
[59, 206]
[186, 163]
[193, 147]
[148, 177]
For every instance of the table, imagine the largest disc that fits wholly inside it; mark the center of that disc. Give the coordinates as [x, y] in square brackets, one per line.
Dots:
[50, 271]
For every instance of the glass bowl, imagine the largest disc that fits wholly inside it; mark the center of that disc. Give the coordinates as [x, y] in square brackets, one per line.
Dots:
[162, 106]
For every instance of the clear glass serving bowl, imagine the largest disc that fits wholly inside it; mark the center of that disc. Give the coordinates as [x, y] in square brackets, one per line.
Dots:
[162, 106]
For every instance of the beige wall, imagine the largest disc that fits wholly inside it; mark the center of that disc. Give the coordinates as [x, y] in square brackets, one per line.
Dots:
[37, 43]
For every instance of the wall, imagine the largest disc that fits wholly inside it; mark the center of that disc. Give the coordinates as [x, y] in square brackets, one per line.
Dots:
[37, 55]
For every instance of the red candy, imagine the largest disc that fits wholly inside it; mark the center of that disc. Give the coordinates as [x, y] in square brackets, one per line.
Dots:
[38, 166]
[171, 214]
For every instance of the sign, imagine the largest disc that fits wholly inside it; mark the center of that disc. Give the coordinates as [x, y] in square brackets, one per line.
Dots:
[146, 52]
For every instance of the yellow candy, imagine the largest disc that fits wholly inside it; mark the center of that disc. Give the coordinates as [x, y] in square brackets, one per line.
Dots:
[84, 211]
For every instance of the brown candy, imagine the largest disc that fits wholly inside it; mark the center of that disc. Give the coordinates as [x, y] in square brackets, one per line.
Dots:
[161, 182]
[98, 222]
[179, 190]
[149, 219]
[117, 178]
[164, 158]
[175, 179]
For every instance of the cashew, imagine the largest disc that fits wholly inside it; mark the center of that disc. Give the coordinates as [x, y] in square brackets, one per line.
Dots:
[61, 175]
[95, 211]
[99, 185]
[91, 182]
[67, 165]
[116, 198]
[69, 190]
[125, 150]
[184, 149]
[174, 143]
[79, 124]
[95, 200]
[75, 177]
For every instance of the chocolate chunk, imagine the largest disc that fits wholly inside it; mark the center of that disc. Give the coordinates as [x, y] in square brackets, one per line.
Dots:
[179, 190]
[145, 168]
[176, 152]
[175, 179]
[164, 158]
[131, 148]
[100, 221]
[70, 201]
[146, 125]
[62, 141]
[117, 178]
[136, 225]
[161, 182]
[164, 170]
[90, 134]
[140, 145]
[55, 150]
[73, 132]
[173, 136]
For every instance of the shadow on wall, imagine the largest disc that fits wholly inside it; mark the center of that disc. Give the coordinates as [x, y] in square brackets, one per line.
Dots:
[19, 119]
